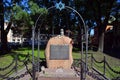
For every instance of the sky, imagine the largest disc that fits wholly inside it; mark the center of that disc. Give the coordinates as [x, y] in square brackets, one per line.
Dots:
[92, 32]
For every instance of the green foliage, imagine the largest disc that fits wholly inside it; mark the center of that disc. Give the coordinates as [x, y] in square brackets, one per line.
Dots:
[25, 17]
[20, 16]
[34, 8]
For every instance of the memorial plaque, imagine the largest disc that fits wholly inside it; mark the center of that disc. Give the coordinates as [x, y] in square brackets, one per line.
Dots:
[59, 52]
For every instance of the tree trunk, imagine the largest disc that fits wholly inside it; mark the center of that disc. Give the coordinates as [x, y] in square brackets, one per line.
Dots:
[4, 46]
[3, 33]
[101, 42]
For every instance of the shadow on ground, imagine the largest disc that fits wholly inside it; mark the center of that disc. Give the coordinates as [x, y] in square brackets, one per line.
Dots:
[114, 52]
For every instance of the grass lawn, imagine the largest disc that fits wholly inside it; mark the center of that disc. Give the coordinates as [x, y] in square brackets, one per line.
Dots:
[113, 62]
[5, 60]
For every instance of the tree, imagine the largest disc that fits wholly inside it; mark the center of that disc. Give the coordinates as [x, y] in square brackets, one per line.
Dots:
[97, 13]
[1, 20]
[6, 11]
[25, 17]
[18, 14]
[102, 9]
[4, 31]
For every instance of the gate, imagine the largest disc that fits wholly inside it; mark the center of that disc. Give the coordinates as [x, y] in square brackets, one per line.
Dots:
[84, 40]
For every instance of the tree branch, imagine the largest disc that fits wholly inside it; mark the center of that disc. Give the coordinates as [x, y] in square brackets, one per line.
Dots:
[8, 27]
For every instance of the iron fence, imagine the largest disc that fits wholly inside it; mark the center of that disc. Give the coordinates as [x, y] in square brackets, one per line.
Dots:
[13, 66]
[105, 66]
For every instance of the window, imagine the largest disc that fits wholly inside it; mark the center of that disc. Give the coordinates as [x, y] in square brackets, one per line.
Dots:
[18, 39]
[13, 40]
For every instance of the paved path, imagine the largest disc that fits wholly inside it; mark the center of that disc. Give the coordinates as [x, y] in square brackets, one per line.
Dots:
[28, 77]
[64, 78]
[21, 74]
[59, 74]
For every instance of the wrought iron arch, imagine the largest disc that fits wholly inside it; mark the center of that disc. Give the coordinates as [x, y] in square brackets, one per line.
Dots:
[61, 6]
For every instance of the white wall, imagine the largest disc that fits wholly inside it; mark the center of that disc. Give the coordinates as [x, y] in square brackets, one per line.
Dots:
[11, 38]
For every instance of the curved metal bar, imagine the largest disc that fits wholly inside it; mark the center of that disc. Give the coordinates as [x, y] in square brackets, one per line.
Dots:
[86, 36]
[38, 37]
[85, 29]
[33, 31]
[97, 61]
[79, 16]
[33, 61]
[41, 15]
[115, 71]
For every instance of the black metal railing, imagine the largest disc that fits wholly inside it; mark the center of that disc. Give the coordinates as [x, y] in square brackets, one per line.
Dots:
[99, 70]
[95, 64]
[13, 67]
[104, 67]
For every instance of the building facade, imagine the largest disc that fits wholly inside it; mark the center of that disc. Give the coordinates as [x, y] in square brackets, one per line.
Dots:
[11, 38]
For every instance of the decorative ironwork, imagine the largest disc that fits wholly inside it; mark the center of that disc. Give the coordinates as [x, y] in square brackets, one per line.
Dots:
[60, 5]
[106, 67]
[13, 66]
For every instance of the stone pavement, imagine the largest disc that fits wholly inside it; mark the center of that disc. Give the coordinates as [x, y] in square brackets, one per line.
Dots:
[26, 77]
[58, 78]
[21, 74]
[59, 74]
[64, 78]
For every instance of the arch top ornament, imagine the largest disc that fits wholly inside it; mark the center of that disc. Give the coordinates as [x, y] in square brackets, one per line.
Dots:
[60, 6]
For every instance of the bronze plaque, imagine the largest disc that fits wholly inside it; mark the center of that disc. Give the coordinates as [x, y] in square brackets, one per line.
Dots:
[59, 52]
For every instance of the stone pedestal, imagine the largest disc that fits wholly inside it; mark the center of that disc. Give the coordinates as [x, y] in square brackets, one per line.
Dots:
[69, 73]
[59, 52]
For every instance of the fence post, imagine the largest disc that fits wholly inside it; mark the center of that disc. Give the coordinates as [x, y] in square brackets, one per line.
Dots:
[38, 55]
[83, 76]
[33, 61]
[16, 59]
[92, 62]
[104, 65]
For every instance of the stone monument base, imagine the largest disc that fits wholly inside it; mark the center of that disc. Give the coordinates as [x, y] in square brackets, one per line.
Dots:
[57, 73]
